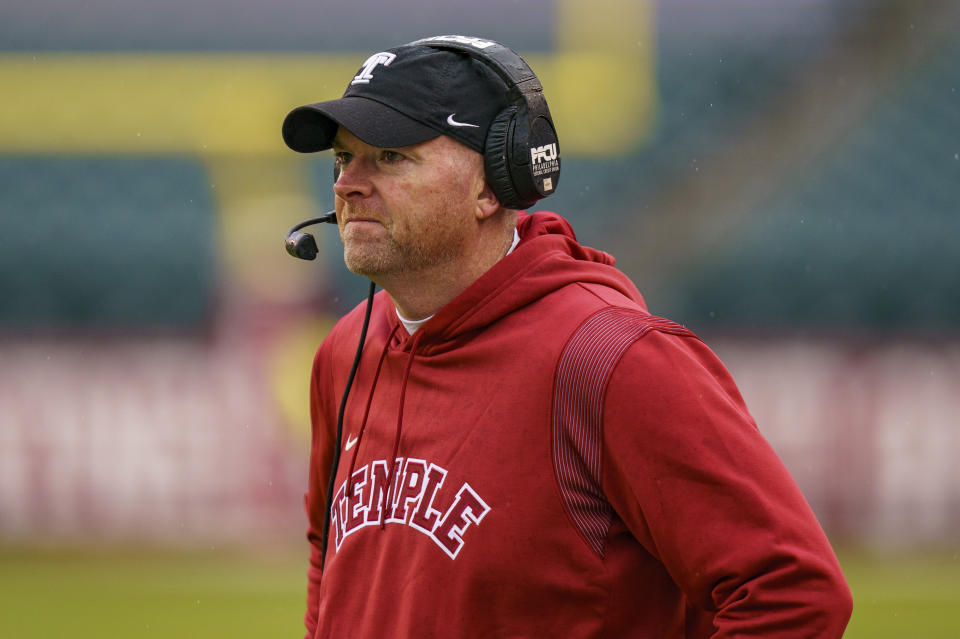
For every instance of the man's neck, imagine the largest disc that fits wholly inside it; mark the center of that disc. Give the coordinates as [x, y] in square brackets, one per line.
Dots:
[412, 325]
[421, 294]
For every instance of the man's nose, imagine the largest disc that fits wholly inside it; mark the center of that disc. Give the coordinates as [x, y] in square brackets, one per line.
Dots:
[353, 180]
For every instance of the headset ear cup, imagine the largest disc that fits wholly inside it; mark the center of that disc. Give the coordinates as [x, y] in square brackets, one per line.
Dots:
[496, 160]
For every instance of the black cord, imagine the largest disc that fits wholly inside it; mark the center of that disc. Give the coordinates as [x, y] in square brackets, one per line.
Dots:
[343, 406]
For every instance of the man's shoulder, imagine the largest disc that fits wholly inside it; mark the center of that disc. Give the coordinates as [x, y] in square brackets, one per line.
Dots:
[611, 296]
[610, 313]
[610, 331]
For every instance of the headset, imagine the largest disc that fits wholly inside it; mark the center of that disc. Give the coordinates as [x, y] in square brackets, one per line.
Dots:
[521, 163]
[521, 156]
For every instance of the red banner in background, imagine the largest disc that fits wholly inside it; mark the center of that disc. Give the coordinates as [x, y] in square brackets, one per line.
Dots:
[182, 442]
[871, 434]
[169, 440]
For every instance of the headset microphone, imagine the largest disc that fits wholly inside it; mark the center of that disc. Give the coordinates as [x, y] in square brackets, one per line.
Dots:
[303, 245]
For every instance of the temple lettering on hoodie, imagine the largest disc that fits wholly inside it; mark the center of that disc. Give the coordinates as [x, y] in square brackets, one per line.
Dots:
[417, 499]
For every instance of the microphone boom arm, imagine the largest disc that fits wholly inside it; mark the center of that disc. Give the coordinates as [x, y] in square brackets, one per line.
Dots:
[302, 245]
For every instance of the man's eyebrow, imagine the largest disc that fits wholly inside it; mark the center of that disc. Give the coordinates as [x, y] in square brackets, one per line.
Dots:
[337, 143]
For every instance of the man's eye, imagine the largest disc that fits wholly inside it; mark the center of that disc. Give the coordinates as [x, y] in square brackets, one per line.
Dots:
[390, 157]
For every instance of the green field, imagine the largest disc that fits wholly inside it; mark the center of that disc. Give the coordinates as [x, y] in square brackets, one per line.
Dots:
[110, 593]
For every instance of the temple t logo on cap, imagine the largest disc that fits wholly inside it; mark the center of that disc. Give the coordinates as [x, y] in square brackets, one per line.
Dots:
[366, 73]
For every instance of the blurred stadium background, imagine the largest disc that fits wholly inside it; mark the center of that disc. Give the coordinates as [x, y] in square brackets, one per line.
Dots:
[783, 178]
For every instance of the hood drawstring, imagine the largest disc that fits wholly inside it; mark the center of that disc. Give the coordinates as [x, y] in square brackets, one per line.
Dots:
[366, 413]
[386, 498]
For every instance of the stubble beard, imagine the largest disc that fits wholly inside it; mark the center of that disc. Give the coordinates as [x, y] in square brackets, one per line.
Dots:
[383, 255]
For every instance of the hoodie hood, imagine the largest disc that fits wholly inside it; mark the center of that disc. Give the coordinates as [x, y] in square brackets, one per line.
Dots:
[547, 258]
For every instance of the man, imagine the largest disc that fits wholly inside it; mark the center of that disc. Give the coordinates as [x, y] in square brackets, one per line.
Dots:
[526, 452]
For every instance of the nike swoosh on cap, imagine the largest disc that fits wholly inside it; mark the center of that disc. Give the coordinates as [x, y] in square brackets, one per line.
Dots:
[453, 122]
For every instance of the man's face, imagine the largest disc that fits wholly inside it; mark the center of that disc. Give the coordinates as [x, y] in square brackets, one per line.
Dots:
[406, 210]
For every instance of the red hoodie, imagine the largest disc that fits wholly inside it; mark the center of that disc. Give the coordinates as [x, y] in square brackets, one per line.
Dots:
[543, 458]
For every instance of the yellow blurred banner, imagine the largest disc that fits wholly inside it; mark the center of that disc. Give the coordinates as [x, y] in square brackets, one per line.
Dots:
[123, 103]
[599, 83]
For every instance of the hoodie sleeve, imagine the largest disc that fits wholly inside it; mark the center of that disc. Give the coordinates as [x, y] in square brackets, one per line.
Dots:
[321, 448]
[689, 473]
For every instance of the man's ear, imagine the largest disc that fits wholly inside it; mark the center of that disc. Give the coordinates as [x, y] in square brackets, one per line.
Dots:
[487, 202]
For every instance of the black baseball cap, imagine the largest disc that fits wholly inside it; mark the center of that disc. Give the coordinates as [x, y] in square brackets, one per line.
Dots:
[404, 96]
